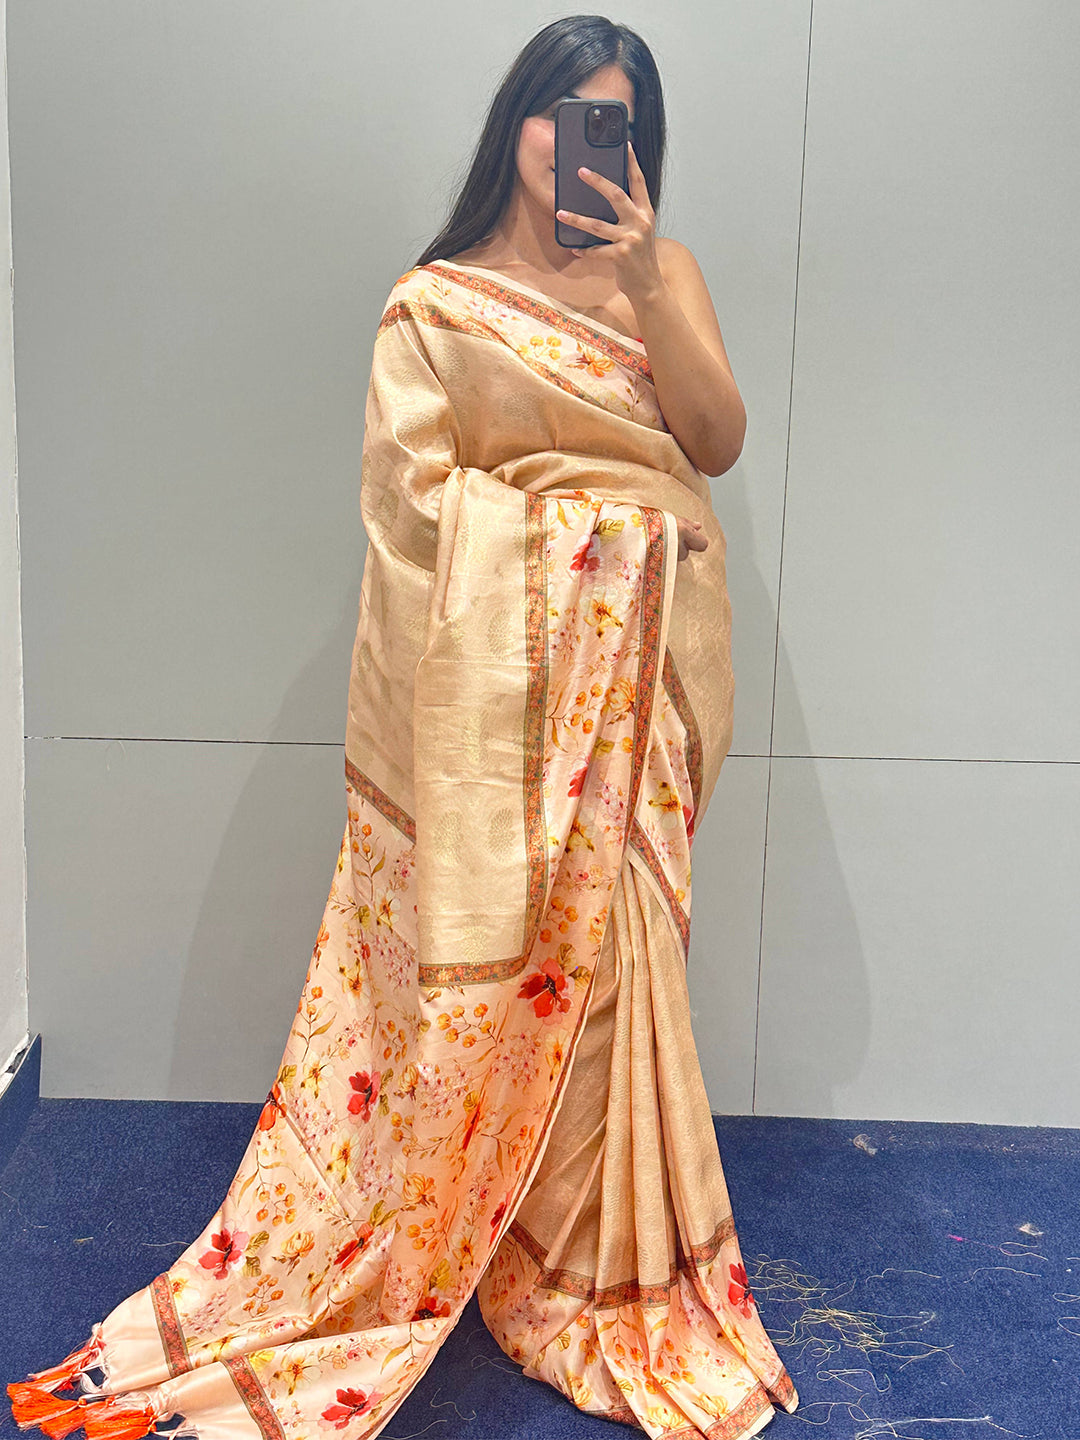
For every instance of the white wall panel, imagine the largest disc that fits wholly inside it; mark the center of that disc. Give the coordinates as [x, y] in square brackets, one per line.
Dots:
[722, 970]
[920, 942]
[929, 604]
[175, 895]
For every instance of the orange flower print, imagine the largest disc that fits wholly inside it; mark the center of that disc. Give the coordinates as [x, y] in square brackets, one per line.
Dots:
[591, 360]
[227, 1250]
[354, 1247]
[738, 1293]
[586, 559]
[271, 1109]
[430, 1308]
[351, 1403]
[367, 1092]
[545, 989]
[577, 780]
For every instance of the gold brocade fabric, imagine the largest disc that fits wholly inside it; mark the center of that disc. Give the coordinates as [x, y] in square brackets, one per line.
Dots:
[491, 1082]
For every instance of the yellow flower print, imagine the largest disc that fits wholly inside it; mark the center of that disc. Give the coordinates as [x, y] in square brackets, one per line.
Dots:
[313, 1074]
[619, 700]
[465, 1255]
[714, 1405]
[665, 1418]
[579, 1391]
[601, 616]
[340, 1156]
[352, 978]
[597, 926]
[542, 347]
[580, 837]
[296, 1247]
[667, 804]
[418, 1190]
[293, 1370]
[386, 911]
[733, 1335]
[555, 1057]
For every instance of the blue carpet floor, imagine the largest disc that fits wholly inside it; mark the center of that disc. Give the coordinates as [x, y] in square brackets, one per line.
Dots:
[919, 1281]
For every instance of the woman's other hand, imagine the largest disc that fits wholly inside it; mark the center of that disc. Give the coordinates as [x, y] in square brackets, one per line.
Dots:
[690, 537]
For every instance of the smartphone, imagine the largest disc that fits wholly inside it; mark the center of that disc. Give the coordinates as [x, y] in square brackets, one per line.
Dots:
[590, 133]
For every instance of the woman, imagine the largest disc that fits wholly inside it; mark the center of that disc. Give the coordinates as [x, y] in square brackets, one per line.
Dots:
[491, 1082]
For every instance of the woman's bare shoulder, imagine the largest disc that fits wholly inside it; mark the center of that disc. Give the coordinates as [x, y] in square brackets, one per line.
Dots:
[683, 276]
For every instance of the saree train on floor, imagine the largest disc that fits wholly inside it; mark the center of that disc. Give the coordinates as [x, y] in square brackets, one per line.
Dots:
[491, 1081]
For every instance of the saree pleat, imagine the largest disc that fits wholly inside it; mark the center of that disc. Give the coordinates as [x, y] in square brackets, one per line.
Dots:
[490, 1083]
[620, 1281]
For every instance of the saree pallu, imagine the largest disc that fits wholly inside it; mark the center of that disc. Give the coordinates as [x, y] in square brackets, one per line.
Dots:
[490, 1083]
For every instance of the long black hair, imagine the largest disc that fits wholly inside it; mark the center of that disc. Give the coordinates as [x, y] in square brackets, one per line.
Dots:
[555, 61]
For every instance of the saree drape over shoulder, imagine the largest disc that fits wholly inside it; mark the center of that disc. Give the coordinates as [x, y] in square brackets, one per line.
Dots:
[491, 1082]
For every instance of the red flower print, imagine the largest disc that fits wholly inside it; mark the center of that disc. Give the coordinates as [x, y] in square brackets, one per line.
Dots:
[499, 1213]
[367, 1092]
[226, 1250]
[354, 1247]
[577, 780]
[272, 1109]
[688, 817]
[351, 1403]
[585, 556]
[738, 1293]
[430, 1307]
[545, 989]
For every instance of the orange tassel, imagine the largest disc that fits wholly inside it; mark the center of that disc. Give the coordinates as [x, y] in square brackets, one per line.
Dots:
[71, 1365]
[111, 1420]
[62, 1425]
[34, 1405]
[104, 1419]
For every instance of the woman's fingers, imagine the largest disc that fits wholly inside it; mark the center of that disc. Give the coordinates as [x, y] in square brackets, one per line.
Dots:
[691, 537]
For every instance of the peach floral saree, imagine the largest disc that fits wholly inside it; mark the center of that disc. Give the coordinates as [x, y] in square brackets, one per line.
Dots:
[491, 1082]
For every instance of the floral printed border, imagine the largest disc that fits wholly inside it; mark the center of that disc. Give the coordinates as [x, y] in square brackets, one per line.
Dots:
[168, 1323]
[549, 314]
[364, 785]
[254, 1397]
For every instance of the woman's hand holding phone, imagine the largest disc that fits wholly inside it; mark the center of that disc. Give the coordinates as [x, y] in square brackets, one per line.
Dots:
[631, 250]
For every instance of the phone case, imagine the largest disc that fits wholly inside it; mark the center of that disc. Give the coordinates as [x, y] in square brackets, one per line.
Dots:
[572, 148]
